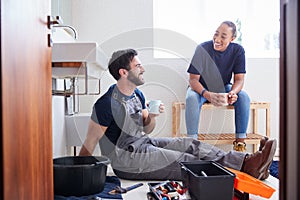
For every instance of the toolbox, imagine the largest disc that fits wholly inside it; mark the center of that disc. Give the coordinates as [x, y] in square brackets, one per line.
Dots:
[167, 190]
[207, 180]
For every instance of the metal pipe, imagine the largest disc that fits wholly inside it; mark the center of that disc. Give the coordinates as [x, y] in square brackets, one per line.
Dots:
[75, 34]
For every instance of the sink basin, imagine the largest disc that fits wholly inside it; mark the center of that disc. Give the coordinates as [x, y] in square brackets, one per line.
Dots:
[87, 52]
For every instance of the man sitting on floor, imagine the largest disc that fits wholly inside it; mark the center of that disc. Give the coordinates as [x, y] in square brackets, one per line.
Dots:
[120, 123]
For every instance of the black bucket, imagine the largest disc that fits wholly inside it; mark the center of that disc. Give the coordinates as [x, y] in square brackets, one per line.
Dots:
[79, 175]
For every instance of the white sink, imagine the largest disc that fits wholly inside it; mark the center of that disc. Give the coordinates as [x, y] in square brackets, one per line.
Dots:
[78, 51]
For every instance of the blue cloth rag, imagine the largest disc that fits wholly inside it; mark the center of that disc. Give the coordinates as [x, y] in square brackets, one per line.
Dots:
[274, 169]
[110, 183]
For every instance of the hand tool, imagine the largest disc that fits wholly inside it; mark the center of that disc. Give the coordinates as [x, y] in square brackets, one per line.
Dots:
[121, 190]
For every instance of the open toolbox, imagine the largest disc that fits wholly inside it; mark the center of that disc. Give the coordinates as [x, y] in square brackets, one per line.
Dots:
[167, 190]
[231, 184]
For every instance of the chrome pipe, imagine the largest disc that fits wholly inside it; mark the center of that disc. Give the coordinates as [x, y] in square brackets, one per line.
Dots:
[75, 34]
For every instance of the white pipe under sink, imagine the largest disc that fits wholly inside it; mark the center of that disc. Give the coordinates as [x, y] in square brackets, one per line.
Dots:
[76, 128]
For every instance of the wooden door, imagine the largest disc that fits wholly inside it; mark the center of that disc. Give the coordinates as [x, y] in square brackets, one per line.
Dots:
[289, 165]
[26, 133]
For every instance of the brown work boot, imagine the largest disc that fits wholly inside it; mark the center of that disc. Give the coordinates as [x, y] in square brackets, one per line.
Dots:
[239, 146]
[267, 172]
[262, 142]
[258, 163]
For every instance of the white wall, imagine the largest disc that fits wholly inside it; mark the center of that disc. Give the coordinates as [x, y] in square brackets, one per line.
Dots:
[58, 126]
[262, 84]
[118, 24]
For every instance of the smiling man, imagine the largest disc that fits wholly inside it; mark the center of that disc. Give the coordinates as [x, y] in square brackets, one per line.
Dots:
[120, 122]
[210, 75]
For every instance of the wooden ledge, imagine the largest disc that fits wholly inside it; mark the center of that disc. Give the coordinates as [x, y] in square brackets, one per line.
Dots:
[226, 138]
[253, 105]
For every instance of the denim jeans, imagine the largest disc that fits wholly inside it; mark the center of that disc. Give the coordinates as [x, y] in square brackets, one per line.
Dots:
[194, 102]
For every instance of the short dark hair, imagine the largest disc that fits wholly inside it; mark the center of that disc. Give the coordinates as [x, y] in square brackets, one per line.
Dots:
[120, 60]
[232, 26]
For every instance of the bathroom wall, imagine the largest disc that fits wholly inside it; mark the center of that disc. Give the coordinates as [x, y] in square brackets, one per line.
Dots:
[121, 24]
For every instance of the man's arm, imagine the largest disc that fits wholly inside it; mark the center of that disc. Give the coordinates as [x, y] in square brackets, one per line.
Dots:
[149, 119]
[94, 134]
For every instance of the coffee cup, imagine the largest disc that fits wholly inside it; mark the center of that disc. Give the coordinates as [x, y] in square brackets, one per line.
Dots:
[154, 106]
[224, 99]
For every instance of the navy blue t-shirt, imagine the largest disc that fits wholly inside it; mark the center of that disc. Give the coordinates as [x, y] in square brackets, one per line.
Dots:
[215, 67]
[109, 112]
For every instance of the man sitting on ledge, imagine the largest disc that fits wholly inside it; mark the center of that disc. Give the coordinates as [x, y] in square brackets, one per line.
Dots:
[120, 122]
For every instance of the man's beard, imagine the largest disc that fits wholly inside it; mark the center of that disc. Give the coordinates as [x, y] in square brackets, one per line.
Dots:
[135, 79]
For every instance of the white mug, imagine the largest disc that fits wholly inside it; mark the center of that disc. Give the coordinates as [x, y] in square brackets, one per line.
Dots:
[225, 99]
[154, 106]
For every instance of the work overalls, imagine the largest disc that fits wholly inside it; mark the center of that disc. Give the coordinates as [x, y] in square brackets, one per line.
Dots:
[136, 156]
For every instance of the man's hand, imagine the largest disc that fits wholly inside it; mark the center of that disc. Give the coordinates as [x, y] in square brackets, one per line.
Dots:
[149, 118]
[161, 110]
